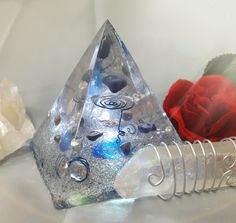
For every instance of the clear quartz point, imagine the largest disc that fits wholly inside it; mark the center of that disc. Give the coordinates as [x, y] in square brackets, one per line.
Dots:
[103, 115]
[168, 171]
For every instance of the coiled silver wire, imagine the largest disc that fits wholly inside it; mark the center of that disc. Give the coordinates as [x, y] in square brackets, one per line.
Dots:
[228, 176]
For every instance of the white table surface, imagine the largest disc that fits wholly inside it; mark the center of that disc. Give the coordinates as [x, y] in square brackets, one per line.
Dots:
[40, 43]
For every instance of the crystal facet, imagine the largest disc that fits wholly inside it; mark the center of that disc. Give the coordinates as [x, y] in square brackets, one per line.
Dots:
[102, 116]
[15, 126]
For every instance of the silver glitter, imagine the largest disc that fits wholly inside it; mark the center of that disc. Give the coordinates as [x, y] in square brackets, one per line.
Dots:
[168, 128]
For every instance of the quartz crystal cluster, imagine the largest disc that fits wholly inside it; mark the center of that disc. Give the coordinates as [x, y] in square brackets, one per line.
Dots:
[15, 126]
[103, 115]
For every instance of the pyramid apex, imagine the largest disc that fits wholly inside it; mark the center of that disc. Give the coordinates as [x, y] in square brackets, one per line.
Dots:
[107, 22]
[107, 25]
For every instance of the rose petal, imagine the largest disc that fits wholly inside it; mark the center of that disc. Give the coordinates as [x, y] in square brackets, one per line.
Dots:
[202, 101]
[199, 108]
[176, 94]
[193, 121]
[219, 106]
[184, 133]
[224, 127]
[213, 84]
[195, 115]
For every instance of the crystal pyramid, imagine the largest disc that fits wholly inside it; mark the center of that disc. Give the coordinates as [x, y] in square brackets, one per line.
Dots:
[102, 116]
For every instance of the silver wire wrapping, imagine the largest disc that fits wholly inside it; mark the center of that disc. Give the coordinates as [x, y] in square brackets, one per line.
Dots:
[194, 167]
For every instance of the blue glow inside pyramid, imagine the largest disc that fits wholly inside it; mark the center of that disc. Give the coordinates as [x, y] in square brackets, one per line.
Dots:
[104, 113]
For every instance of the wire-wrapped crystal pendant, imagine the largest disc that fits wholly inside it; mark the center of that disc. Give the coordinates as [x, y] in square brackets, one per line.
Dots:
[168, 171]
[102, 116]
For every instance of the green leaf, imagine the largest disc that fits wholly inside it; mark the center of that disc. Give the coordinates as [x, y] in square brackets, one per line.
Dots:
[222, 65]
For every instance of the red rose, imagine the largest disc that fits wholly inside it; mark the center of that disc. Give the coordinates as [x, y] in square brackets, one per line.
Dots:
[204, 110]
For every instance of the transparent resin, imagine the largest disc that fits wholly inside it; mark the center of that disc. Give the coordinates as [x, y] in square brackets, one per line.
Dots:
[103, 114]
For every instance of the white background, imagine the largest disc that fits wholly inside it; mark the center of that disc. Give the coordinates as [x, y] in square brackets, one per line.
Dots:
[40, 43]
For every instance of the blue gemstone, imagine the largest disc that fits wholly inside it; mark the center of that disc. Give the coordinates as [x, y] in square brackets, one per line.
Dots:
[65, 142]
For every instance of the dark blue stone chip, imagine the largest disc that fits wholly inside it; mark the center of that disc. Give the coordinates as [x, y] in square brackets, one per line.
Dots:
[146, 127]
[127, 116]
[94, 135]
[154, 128]
[114, 83]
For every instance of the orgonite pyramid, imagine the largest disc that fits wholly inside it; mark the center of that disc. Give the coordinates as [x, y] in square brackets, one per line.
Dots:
[102, 116]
